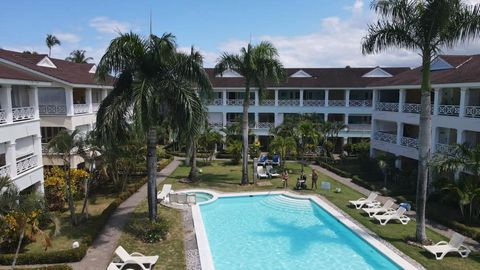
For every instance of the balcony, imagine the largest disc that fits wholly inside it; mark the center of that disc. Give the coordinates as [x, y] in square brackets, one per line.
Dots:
[239, 102]
[80, 108]
[470, 111]
[288, 102]
[445, 149]
[26, 164]
[216, 102]
[411, 108]
[265, 125]
[314, 102]
[409, 142]
[385, 137]
[4, 170]
[449, 110]
[267, 102]
[3, 116]
[23, 113]
[336, 103]
[50, 109]
[360, 103]
[386, 106]
[359, 127]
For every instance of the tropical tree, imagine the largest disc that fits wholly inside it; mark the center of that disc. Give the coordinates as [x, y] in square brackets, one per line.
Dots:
[208, 140]
[308, 137]
[284, 146]
[466, 192]
[154, 82]
[258, 64]
[51, 41]
[78, 56]
[424, 27]
[65, 145]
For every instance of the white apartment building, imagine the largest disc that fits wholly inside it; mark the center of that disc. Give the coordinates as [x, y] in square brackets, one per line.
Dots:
[70, 101]
[455, 110]
[334, 94]
[20, 138]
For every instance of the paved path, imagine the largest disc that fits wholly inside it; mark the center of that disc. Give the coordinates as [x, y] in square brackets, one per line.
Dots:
[447, 232]
[100, 253]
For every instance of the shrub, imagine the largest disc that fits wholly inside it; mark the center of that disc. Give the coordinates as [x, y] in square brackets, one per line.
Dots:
[148, 231]
[50, 267]
[55, 186]
[60, 256]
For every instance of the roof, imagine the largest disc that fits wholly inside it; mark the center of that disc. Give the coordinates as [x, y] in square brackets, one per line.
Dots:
[15, 74]
[465, 69]
[67, 71]
[320, 78]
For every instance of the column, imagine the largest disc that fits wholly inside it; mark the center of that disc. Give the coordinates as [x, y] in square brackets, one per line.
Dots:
[104, 93]
[224, 119]
[11, 158]
[401, 99]
[278, 119]
[436, 101]
[460, 136]
[374, 127]
[346, 119]
[463, 101]
[347, 98]
[69, 101]
[434, 139]
[256, 119]
[224, 97]
[325, 117]
[301, 97]
[398, 162]
[257, 100]
[6, 102]
[276, 97]
[33, 98]
[399, 132]
[326, 98]
[374, 98]
[37, 145]
[88, 99]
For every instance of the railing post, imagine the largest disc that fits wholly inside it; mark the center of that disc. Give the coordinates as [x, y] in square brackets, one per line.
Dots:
[463, 101]
[69, 100]
[11, 159]
[6, 102]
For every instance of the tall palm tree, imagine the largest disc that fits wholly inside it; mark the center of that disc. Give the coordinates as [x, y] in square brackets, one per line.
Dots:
[465, 157]
[78, 56]
[258, 64]
[51, 41]
[308, 137]
[154, 82]
[424, 27]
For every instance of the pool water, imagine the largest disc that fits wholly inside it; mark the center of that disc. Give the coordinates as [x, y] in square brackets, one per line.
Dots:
[280, 232]
[202, 196]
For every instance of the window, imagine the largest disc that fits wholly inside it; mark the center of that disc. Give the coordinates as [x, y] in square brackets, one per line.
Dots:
[96, 96]
[49, 132]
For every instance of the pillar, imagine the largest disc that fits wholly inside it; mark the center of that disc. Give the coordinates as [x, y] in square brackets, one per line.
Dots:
[257, 100]
[301, 97]
[436, 101]
[326, 98]
[224, 119]
[325, 117]
[256, 119]
[374, 97]
[460, 136]
[37, 146]
[347, 98]
[33, 99]
[463, 101]
[399, 132]
[104, 94]
[6, 102]
[346, 119]
[88, 99]
[434, 139]
[398, 162]
[401, 99]
[224, 97]
[276, 97]
[69, 101]
[11, 158]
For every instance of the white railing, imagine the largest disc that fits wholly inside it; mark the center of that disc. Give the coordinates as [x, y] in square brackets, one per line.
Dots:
[288, 102]
[446, 149]
[385, 137]
[386, 106]
[95, 107]
[5, 171]
[470, 111]
[409, 142]
[451, 110]
[265, 125]
[52, 109]
[216, 124]
[216, 102]
[235, 102]
[26, 164]
[361, 127]
[267, 102]
[3, 116]
[411, 108]
[336, 103]
[360, 103]
[80, 108]
[44, 147]
[23, 113]
[313, 102]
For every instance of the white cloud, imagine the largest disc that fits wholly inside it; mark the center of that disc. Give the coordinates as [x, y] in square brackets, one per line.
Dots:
[110, 26]
[67, 37]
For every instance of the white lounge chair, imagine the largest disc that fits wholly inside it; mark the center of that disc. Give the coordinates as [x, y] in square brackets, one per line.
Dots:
[128, 264]
[135, 257]
[455, 244]
[261, 172]
[272, 172]
[362, 201]
[386, 208]
[166, 189]
[398, 215]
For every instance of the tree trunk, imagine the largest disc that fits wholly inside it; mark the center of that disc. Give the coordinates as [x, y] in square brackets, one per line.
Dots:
[246, 103]
[188, 155]
[425, 142]
[192, 176]
[152, 173]
[71, 206]
[18, 248]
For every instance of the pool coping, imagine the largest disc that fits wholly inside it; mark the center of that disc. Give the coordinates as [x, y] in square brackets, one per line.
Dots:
[205, 254]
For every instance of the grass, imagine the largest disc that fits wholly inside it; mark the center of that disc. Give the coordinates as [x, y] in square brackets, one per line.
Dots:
[222, 176]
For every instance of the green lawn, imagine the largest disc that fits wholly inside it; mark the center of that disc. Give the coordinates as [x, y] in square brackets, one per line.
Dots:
[224, 177]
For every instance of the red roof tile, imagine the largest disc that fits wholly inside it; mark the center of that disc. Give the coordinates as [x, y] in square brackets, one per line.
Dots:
[15, 74]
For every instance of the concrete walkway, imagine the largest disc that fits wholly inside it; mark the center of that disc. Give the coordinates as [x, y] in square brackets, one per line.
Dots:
[447, 232]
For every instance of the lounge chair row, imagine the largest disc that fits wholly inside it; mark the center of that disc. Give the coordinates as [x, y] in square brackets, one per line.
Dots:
[263, 160]
[385, 213]
[266, 172]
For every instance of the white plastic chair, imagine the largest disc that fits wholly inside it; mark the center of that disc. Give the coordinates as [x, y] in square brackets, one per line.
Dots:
[455, 244]
[166, 189]
[386, 208]
[397, 215]
[363, 201]
[146, 261]
[261, 172]
[271, 171]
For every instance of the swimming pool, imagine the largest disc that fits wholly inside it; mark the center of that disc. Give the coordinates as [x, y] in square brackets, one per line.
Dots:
[281, 232]
[201, 196]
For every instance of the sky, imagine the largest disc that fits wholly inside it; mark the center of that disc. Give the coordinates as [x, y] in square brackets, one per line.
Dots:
[307, 33]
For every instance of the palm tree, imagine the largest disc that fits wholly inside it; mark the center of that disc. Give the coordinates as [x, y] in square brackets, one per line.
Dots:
[424, 27]
[78, 56]
[465, 158]
[465, 192]
[154, 83]
[284, 146]
[308, 137]
[258, 65]
[51, 41]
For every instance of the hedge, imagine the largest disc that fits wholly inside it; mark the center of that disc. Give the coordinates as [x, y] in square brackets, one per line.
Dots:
[334, 169]
[50, 267]
[77, 254]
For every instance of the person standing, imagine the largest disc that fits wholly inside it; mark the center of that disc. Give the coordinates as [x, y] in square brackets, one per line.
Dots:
[285, 178]
[314, 178]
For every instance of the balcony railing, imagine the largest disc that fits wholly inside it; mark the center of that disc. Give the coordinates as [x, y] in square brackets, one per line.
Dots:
[470, 111]
[216, 124]
[95, 107]
[411, 108]
[26, 164]
[385, 137]
[359, 127]
[4, 170]
[314, 102]
[80, 108]
[267, 102]
[23, 113]
[409, 142]
[386, 106]
[52, 109]
[446, 149]
[265, 125]
[216, 102]
[360, 103]
[3, 116]
[450, 110]
[336, 103]
[288, 102]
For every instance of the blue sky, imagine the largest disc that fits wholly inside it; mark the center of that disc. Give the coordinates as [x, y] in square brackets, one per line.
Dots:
[313, 33]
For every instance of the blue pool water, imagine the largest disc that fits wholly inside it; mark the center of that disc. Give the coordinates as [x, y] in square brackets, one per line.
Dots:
[279, 232]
